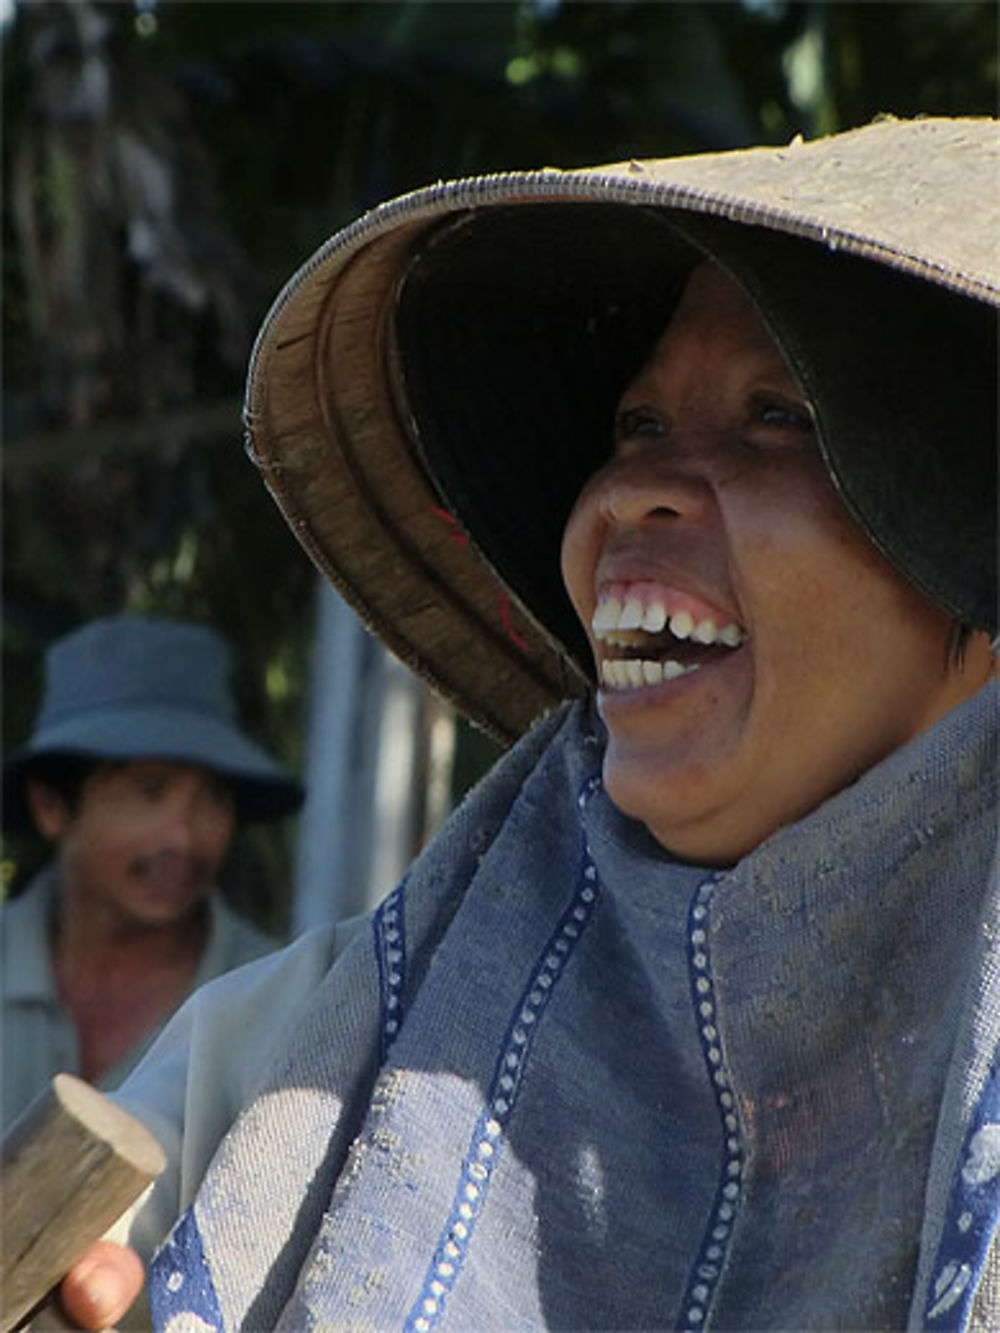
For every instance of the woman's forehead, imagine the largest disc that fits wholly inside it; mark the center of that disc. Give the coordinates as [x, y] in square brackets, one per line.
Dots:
[715, 322]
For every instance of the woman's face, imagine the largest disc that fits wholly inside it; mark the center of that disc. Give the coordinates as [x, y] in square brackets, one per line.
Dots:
[755, 653]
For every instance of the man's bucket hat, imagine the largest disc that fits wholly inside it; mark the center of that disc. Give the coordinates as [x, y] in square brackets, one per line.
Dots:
[431, 389]
[138, 687]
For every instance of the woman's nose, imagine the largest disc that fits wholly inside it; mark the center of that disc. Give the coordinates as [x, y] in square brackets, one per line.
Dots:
[652, 486]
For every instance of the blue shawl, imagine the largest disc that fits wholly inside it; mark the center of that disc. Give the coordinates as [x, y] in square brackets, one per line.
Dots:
[567, 1082]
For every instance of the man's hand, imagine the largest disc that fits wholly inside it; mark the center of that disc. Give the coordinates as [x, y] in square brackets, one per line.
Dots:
[101, 1285]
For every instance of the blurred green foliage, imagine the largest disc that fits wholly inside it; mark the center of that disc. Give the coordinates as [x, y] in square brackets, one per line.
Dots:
[167, 165]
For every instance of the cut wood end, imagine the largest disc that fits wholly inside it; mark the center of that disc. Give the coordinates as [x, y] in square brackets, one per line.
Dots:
[107, 1122]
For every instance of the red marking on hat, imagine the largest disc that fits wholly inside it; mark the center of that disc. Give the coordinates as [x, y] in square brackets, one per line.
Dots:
[457, 535]
[508, 624]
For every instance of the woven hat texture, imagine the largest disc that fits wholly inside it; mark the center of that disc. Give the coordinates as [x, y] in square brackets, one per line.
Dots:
[431, 388]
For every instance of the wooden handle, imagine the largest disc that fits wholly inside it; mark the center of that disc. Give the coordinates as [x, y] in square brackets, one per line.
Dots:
[70, 1165]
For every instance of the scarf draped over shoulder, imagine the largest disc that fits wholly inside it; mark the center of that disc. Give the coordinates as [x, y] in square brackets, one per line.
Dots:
[564, 1081]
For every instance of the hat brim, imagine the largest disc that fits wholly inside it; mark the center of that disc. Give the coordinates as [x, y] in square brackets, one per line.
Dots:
[261, 788]
[336, 424]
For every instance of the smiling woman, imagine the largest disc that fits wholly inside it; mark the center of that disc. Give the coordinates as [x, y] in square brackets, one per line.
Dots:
[644, 1039]
[717, 509]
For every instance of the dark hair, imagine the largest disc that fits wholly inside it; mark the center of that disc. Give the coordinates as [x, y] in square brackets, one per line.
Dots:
[958, 640]
[64, 774]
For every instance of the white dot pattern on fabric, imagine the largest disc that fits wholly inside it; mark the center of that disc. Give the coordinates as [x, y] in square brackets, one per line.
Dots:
[949, 1287]
[390, 951]
[481, 1158]
[182, 1296]
[970, 1221]
[982, 1162]
[188, 1323]
[708, 1266]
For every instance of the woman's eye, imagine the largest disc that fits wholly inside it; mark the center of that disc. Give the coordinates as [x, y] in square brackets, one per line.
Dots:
[781, 415]
[637, 421]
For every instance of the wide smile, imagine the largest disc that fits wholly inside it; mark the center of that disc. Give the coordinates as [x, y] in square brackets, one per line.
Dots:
[648, 635]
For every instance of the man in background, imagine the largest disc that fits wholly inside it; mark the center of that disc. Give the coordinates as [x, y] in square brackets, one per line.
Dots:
[137, 773]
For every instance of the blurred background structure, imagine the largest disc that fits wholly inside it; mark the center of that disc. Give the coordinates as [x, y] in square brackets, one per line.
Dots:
[166, 166]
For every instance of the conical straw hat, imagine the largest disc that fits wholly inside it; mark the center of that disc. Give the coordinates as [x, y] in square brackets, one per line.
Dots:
[430, 389]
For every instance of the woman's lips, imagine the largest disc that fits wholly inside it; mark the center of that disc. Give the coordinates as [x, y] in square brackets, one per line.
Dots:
[648, 634]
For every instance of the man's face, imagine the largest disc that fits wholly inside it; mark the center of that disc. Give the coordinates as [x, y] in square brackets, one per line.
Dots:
[798, 657]
[146, 840]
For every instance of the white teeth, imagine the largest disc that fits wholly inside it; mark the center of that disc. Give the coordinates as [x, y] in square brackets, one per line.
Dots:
[606, 615]
[731, 636]
[615, 674]
[652, 672]
[634, 673]
[631, 616]
[681, 624]
[655, 618]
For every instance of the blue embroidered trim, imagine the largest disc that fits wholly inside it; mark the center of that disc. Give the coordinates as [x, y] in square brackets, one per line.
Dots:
[972, 1219]
[487, 1137]
[180, 1284]
[390, 954]
[715, 1243]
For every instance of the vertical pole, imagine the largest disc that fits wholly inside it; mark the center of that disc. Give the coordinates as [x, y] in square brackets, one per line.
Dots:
[377, 771]
[334, 836]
